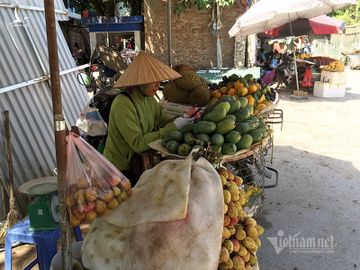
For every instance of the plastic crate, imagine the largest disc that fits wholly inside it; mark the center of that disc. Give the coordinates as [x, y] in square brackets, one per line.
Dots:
[329, 90]
[333, 77]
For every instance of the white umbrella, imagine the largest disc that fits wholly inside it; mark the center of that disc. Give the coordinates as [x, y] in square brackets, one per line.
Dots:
[267, 14]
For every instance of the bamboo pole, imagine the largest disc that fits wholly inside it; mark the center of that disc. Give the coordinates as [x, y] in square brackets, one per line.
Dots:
[59, 129]
[169, 33]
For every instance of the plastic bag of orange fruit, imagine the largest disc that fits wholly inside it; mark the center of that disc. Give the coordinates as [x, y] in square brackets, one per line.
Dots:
[93, 184]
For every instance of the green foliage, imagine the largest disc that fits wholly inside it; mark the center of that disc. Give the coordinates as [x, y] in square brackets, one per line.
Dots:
[182, 5]
[108, 8]
[136, 7]
[350, 15]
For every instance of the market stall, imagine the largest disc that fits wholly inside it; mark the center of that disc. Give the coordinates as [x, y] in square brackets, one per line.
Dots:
[219, 158]
[232, 133]
[328, 76]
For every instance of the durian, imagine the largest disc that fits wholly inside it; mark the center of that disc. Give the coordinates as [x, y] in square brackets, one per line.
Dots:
[173, 93]
[200, 96]
[189, 80]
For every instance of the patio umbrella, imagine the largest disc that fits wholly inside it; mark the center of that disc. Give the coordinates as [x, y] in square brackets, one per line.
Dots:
[320, 25]
[267, 14]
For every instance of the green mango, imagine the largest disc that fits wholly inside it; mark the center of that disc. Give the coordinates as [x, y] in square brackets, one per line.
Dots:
[224, 105]
[256, 135]
[225, 126]
[172, 146]
[228, 149]
[217, 139]
[233, 137]
[245, 142]
[203, 137]
[242, 127]
[215, 115]
[184, 149]
[244, 101]
[174, 135]
[204, 127]
[187, 128]
[189, 138]
[242, 115]
[235, 106]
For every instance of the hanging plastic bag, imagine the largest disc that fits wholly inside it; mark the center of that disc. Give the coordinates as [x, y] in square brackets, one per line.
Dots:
[307, 81]
[91, 123]
[268, 77]
[93, 184]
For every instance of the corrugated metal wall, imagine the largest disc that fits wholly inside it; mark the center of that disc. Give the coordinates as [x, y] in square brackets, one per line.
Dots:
[23, 54]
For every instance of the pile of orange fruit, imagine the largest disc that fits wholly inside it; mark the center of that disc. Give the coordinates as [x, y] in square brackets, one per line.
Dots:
[236, 88]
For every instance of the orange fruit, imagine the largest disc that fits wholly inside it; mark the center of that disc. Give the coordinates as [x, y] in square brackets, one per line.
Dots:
[215, 94]
[251, 100]
[261, 99]
[223, 90]
[231, 92]
[238, 85]
[252, 89]
[242, 91]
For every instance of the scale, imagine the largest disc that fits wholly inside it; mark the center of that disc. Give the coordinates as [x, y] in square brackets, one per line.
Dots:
[43, 211]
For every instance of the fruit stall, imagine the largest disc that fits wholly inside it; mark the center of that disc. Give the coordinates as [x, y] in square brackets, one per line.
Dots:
[233, 133]
[328, 76]
[229, 139]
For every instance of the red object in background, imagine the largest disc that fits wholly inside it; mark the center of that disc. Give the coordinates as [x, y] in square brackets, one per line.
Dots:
[320, 25]
[85, 14]
[93, 68]
[307, 81]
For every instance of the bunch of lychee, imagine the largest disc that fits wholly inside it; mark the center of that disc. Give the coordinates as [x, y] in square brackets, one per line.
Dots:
[88, 199]
[241, 233]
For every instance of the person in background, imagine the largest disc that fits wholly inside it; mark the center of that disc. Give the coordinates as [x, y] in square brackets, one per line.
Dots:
[261, 58]
[136, 117]
[276, 46]
[275, 61]
[118, 44]
[307, 48]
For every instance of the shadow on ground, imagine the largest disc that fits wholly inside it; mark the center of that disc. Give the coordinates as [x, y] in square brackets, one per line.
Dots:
[285, 94]
[317, 198]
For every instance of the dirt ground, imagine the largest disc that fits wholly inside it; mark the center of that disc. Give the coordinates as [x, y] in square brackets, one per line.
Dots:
[312, 218]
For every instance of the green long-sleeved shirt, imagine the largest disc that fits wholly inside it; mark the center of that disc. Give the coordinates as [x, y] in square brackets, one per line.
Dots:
[132, 129]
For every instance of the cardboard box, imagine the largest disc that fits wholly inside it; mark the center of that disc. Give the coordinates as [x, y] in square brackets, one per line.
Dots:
[329, 90]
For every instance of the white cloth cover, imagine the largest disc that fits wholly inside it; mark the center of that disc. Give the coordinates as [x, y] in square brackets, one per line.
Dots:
[174, 220]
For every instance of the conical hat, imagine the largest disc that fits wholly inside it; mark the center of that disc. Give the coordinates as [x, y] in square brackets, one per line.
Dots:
[146, 69]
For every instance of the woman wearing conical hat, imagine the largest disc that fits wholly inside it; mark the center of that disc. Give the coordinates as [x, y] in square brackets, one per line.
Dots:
[136, 118]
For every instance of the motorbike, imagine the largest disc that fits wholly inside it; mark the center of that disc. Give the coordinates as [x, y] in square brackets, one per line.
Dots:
[284, 73]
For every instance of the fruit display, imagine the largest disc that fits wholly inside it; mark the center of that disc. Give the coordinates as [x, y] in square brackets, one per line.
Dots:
[188, 89]
[335, 66]
[304, 56]
[228, 125]
[247, 87]
[240, 239]
[88, 199]
[322, 60]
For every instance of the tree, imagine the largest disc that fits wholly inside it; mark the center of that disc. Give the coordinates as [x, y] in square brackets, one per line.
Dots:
[350, 15]
[181, 5]
[107, 8]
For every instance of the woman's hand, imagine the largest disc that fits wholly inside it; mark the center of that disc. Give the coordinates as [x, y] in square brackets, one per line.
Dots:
[180, 122]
